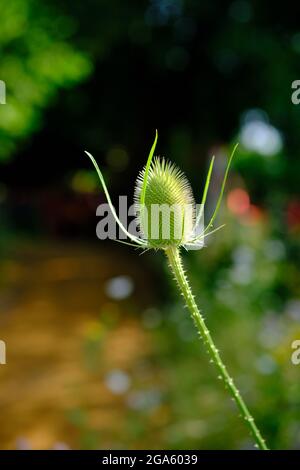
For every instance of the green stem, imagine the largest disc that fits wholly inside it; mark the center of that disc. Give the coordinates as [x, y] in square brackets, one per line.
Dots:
[182, 281]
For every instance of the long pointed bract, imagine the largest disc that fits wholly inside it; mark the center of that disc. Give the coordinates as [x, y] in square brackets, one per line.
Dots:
[205, 191]
[222, 189]
[147, 168]
[102, 181]
[196, 241]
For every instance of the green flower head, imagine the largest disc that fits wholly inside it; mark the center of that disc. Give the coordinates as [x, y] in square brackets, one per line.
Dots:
[165, 208]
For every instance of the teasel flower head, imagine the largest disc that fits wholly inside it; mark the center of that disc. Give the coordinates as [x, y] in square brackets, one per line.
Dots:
[162, 185]
[165, 208]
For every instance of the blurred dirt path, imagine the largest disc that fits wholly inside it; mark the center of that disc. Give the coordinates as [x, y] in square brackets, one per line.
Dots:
[53, 311]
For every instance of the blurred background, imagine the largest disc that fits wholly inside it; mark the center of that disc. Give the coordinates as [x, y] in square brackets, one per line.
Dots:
[100, 352]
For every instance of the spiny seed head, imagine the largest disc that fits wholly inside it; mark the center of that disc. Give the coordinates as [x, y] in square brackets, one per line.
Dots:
[165, 207]
[167, 215]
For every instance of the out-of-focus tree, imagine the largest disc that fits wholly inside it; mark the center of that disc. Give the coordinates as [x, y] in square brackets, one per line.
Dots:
[37, 59]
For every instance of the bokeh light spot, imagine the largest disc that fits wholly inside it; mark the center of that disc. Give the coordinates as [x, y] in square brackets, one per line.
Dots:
[238, 201]
[257, 135]
[117, 381]
[119, 288]
[117, 158]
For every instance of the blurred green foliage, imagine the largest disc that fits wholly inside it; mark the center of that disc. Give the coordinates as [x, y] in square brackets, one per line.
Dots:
[37, 58]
